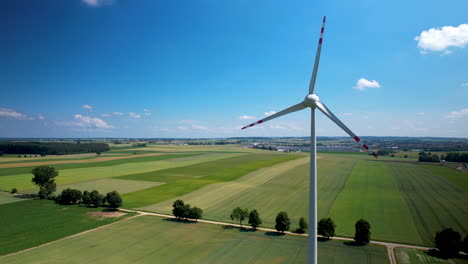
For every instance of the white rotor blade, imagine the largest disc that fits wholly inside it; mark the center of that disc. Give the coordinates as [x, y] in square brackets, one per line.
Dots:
[335, 119]
[291, 109]
[317, 59]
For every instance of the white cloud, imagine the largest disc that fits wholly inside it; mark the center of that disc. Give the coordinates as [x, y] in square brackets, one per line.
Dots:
[10, 113]
[106, 115]
[187, 121]
[269, 113]
[197, 127]
[98, 2]
[134, 115]
[246, 117]
[40, 116]
[440, 39]
[457, 114]
[147, 110]
[86, 121]
[465, 84]
[117, 113]
[147, 114]
[362, 84]
[87, 107]
[347, 114]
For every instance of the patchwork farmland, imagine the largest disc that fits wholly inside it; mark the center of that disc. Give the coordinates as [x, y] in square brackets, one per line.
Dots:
[405, 202]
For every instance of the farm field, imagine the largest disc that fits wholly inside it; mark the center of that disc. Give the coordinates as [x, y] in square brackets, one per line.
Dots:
[414, 256]
[183, 180]
[105, 185]
[149, 239]
[34, 222]
[281, 187]
[8, 198]
[66, 176]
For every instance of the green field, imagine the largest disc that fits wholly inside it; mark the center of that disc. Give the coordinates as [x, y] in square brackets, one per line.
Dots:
[414, 256]
[9, 198]
[23, 181]
[183, 180]
[105, 185]
[34, 222]
[281, 187]
[148, 239]
[371, 193]
[459, 178]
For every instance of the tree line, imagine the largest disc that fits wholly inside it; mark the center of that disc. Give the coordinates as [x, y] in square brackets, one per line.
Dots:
[51, 148]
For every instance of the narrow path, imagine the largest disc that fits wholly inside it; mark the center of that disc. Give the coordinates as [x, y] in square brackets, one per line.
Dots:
[75, 235]
[390, 246]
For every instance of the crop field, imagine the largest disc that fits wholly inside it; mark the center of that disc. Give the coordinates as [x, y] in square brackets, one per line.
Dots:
[459, 178]
[414, 256]
[183, 180]
[148, 239]
[9, 198]
[105, 185]
[67, 176]
[34, 222]
[281, 187]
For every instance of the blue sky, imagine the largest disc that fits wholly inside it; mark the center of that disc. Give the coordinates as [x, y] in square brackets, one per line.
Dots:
[189, 68]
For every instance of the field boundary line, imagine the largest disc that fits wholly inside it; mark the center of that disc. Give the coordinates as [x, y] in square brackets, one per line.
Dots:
[72, 236]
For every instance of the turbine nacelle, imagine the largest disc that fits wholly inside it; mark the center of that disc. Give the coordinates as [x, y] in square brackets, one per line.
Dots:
[311, 100]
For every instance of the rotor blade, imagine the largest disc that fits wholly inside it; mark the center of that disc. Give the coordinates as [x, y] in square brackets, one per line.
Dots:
[291, 109]
[335, 119]
[317, 59]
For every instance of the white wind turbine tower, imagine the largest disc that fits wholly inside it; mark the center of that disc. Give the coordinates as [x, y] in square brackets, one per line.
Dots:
[312, 101]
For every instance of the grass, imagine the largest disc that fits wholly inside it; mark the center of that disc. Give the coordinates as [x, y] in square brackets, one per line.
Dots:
[183, 180]
[283, 187]
[414, 256]
[23, 181]
[371, 193]
[149, 239]
[459, 178]
[435, 202]
[34, 222]
[106, 185]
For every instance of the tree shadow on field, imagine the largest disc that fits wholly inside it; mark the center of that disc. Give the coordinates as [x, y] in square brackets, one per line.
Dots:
[182, 221]
[247, 230]
[353, 244]
[109, 210]
[25, 196]
[274, 234]
[322, 239]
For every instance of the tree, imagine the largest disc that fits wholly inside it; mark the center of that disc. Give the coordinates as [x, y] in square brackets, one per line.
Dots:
[282, 222]
[448, 241]
[114, 199]
[98, 153]
[254, 219]
[96, 198]
[363, 232]
[70, 196]
[14, 190]
[195, 213]
[46, 190]
[239, 214]
[86, 198]
[302, 225]
[178, 209]
[326, 227]
[44, 178]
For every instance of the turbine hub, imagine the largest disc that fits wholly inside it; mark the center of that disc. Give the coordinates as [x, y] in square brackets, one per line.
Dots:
[311, 99]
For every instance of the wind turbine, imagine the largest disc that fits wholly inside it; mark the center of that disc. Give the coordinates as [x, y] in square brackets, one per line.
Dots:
[313, 101]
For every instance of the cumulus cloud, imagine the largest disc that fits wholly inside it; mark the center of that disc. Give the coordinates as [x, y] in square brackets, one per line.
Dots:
[87, 107]
[40, 116]
[440, 39]
[362, 84]
[117, 113]
[86, 121]
[106, 115]
[457, 114]
[134, 115]
[98, 2]
[197, 127]
[269, 113]
[12, 114]
[246, 117]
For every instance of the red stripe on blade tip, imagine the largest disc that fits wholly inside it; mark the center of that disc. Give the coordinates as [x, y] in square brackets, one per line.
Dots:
[357, 138]
[259, 122]
[324, 19]
[373, 154]
[323, 29]
[365, 146]
[320, 41]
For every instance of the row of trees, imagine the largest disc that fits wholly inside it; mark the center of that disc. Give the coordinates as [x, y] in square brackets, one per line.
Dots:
[182, 210]
[93, 198]
[428, 157]
[449, 242]
[456, 157]
[51, 148]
